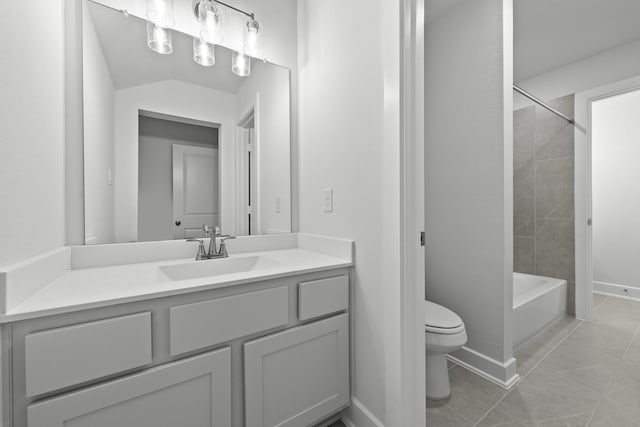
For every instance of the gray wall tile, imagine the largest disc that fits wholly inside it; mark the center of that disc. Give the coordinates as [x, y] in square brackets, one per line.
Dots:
[523, 255]
[543, 211]
[523, 151]
[553, 139]
[523, 198]
[524, 117]
[523, 225]
[571, 298]
[554, 188]
[555, 248]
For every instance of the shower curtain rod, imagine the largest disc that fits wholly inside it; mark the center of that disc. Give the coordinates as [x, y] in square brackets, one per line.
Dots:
[542, 103]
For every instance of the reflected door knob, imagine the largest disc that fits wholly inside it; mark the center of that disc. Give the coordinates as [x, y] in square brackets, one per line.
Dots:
[178, 222]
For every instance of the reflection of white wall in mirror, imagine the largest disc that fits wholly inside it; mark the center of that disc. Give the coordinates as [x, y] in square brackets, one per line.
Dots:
[99, 96]
[172, 98]
[272, 140]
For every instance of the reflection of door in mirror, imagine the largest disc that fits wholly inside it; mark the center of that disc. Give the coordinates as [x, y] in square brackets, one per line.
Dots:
[249, 174]
[178, 180]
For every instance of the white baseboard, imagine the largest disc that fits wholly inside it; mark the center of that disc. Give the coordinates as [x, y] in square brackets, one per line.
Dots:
[502, 374]
[613, 289]
[358, 415]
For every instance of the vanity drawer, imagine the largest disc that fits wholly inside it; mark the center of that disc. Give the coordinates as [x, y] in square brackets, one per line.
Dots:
[207, 323]
[321, 297]
[62, 357]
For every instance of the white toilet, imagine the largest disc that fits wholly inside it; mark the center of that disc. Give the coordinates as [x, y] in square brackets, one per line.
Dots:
[444, 333]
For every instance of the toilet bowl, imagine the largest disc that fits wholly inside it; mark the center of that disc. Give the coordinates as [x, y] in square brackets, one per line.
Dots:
[444, 333]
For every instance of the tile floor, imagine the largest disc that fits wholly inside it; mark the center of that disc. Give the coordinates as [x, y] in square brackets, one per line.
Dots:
[574, 374]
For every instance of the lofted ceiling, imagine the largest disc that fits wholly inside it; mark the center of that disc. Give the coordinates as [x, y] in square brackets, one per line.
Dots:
[553, 33]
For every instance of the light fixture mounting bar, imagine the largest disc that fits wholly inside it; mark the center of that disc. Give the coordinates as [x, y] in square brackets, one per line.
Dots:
[196, 3]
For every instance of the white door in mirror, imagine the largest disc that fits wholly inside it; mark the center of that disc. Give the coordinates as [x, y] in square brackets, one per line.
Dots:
[195, 190]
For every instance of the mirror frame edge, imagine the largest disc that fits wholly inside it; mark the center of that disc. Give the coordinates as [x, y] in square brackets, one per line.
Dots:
[74, 127]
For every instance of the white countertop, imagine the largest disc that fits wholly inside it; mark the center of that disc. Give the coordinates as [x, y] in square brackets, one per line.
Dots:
[98, 286]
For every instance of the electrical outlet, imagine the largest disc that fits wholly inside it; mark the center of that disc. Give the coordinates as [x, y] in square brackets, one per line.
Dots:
[327, 199]
[278, 204]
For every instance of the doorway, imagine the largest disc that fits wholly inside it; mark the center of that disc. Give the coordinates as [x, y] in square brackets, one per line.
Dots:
[178, 177]
[606, 181]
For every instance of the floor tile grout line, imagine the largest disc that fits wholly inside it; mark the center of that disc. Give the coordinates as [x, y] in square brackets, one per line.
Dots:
[580, 322]
[453, 410]
[593, 414]
[542, 359]
[601, 399]
[633, 338]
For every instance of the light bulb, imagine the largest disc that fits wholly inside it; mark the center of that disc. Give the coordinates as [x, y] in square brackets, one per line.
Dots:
[203, 52]
[160, 12]
[251, 37]
[240, 64]
[159, 39]
[209, 18]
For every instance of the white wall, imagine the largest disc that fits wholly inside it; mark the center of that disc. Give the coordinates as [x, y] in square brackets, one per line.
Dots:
[615, 64]
[468, 176]
[99, 145]
[268, 87]
[344, 112]
[32, 193]
[177, 99]
[616, 190]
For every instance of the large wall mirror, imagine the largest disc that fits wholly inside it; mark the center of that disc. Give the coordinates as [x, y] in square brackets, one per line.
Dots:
[170, 145]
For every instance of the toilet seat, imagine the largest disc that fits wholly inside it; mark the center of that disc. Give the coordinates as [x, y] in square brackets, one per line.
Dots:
[441, 320]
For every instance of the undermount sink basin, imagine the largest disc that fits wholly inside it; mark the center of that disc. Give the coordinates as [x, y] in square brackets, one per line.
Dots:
[215, 267]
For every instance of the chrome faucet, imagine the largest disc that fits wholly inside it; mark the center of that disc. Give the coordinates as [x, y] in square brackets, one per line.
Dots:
[220, 252]
[214, 251]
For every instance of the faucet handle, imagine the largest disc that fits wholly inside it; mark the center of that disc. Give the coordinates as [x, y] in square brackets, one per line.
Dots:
[202, 254]
[224, 237]
[216, 231]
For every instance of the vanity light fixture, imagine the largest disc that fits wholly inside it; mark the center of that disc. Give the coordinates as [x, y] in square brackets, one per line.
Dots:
[203, 52]
[240, 64]
[159, 21]
[159, 38]
[209, 15]
[251, 37]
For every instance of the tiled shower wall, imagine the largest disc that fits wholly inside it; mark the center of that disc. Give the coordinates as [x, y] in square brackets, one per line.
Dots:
[543, 211]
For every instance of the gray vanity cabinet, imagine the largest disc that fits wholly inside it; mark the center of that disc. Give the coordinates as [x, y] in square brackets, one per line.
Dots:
[194, 392]
[296, 377]
[268, 353]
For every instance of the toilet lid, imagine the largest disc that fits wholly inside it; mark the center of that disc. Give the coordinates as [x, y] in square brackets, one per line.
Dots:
[439, 317]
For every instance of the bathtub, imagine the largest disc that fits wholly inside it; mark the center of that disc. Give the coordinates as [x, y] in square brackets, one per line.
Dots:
[537, 301]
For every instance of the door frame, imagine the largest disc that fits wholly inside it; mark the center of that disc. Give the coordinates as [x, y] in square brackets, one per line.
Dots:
[240, 194]
[583, 188]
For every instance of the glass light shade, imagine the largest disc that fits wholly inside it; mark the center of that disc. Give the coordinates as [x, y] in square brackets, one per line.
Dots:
[159, 39]
[203, 52]
[240, 64]
[160, 12]
[210, 20]
[251, 37]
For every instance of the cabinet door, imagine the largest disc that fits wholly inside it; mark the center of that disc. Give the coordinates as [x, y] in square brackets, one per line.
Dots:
[194, 392]
[299, 376]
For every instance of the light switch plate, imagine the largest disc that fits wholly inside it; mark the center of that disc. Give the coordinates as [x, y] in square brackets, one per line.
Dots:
[278, 204]
[327, 199]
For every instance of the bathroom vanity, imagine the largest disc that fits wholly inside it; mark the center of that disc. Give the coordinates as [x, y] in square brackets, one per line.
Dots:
[259, 339]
